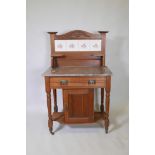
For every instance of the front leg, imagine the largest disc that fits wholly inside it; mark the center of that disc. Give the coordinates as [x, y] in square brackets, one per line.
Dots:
[55, 100]
[50, 120]
[102, 100]
[49, 106]
[108, 87]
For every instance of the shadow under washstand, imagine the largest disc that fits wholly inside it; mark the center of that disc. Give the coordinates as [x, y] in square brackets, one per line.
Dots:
[118, 118]
[98, 124]
[61, 126]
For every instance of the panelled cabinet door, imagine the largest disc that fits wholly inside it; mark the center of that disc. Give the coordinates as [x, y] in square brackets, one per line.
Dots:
[78, 105]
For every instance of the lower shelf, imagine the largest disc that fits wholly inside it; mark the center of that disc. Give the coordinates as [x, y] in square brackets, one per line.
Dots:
[59, 117]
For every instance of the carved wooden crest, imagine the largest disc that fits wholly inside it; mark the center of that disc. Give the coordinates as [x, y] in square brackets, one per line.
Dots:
[78, 34]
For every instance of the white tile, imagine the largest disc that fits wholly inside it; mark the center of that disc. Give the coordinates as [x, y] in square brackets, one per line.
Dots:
[84, 45]
[60, 45]
[77, 45]
[95, 45]
[72, 45]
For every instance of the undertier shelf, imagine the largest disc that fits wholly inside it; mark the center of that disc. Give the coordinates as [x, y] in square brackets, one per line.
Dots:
[59, 117]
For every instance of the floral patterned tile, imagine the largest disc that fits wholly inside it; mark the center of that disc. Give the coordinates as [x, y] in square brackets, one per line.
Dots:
[72, 45]
[95, 45]
[77, 45]
[60, 45]
[84, 45]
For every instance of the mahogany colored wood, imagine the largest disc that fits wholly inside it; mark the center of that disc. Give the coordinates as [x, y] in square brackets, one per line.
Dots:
[64, 62]
[107, 88]
[77, 34]
[103, 43]
[77, 82]
[77, 79]
[79, 106]
[77, 74]
[53, 59]
[55, 100]
[102, 100]
[49, 107]
[77, 55]
[91, 58]
[60, 117]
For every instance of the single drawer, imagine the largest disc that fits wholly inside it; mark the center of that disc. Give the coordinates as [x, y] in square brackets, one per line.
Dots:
[78, 82]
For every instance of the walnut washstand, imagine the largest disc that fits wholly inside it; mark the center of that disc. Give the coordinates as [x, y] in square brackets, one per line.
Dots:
[77, 67]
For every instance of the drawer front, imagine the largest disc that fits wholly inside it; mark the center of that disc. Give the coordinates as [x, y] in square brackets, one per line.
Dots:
[81, 82]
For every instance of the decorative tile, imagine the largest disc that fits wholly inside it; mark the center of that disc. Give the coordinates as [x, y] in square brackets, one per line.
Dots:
[95, 45]
[72, 45]
[60, 45]
[84, 45]
[77, 45]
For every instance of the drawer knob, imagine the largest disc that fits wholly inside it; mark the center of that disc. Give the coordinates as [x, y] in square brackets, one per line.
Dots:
[64, 82]
[91, 81]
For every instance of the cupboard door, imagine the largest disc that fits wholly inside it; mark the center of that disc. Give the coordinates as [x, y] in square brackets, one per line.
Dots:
[78, 105]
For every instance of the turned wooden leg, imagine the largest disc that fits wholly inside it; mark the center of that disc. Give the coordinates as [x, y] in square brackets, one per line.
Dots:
[55, 100]
[102, 100]
[108, 86]
[50, 120]
[49, 106]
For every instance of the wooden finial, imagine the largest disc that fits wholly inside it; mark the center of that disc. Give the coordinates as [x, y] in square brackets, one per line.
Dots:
[52, 32]
[103, 31]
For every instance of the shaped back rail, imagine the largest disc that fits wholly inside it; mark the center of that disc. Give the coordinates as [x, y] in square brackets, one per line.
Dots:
[78, 48]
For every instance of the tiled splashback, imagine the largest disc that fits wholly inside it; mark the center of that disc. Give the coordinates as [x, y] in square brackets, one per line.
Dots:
[77, 45]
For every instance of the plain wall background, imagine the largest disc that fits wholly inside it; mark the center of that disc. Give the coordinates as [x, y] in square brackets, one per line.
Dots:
[65, 15]
[62, 16]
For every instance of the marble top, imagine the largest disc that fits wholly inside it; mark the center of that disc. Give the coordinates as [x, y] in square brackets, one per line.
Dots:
[78, 71]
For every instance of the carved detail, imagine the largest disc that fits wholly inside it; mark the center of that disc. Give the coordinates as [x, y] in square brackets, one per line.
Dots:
[48, 97]
[106, 116]
[106, 122]
[52, 32]
[107, 101]
[49, 107]
[49, 103]
[78, 34]
[48, 94]
[108, 87]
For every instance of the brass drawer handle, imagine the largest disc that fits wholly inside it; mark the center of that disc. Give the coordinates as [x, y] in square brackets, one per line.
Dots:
[64, 82]
[91, 81]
